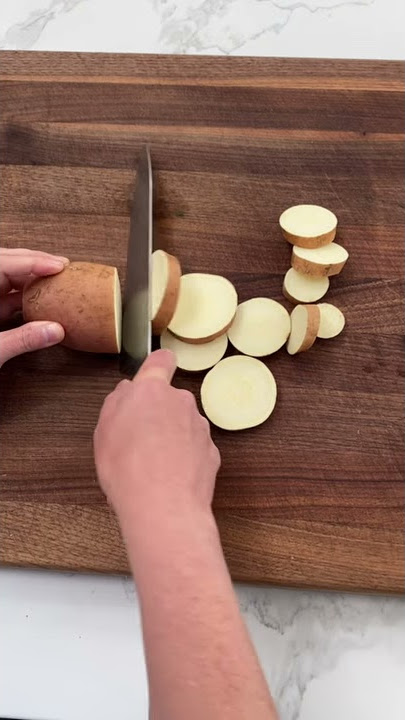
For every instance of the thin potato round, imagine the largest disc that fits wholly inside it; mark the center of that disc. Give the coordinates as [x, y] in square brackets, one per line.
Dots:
[239, 392]
[205, 309]
[300, 288]
[304, 327]
[321, 262]
[166, 274]
[332, 321]
[192, 357]
[85, 298]
[309, 226]
[261, 327]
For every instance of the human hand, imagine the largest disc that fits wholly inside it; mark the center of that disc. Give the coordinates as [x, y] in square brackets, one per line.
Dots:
[153, 449]
[17, 267]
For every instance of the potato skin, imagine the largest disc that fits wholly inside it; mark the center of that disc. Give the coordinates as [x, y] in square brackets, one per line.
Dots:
[306, 267]
[310, 242]
[81, 299]
[171, 296]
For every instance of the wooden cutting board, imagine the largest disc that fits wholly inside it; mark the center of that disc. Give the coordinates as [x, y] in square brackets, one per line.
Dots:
[315, 496]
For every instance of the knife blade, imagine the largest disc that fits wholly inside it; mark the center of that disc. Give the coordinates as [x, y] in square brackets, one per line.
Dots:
[136, 322]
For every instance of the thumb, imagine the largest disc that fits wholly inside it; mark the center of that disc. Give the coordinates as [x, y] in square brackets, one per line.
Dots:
[29, 337]
[160, 364]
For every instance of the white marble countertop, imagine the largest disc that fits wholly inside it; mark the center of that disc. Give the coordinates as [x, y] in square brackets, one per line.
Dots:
[71, 645]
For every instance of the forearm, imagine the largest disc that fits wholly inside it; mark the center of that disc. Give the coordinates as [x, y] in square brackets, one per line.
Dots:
[201, 663]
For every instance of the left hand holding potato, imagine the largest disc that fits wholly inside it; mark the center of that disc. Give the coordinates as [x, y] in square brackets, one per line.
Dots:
[17, 267]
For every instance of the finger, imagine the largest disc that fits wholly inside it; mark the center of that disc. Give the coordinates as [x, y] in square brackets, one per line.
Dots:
[14, 266]
[19, 281]
[34, 253]
[160, 365]
[29, 337]
[10, 304]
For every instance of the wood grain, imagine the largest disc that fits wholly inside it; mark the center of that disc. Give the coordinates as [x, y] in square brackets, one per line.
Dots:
[315, 496]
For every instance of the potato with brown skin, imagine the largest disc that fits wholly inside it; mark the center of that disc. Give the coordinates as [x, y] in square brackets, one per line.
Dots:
[166, 275]
[85, 298]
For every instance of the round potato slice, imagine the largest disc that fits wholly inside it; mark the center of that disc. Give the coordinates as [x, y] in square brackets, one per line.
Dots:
[85, 298]
[195, 358]
[166, 274]
[309, 226]
[261, 327]
[304, 327]
[300, 288]
[238, 393]
[324, 261]
[332, 321]
[205, 309]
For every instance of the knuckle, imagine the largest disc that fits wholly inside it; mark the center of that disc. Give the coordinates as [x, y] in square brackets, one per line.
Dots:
[28, 338]
[187, 398]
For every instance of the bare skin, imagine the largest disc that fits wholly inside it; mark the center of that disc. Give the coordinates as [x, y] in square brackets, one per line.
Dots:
[17, 267]
[157, 464]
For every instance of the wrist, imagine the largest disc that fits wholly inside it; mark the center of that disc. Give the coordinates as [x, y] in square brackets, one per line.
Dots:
[166, 533]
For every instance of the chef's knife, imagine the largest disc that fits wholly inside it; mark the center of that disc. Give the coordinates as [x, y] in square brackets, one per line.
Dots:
[136, 323]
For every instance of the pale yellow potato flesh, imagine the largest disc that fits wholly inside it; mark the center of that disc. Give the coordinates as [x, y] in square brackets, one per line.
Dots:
[195, 357]
[205, 309]
[326, 260]
[118, 311]
[304, 327]
[160, 277]
[301, 288]
[308, 225]
[332, 321]
[238, 393]
[261, 327]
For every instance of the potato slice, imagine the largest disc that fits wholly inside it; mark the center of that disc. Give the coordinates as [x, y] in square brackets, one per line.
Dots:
[324, 261]
[166, 274]
[238, 393]
[206, 308]
[332, 321]
[195, 357]
[300, 288]
[261, 327]
[305, 321]
[309, 226]
[86, 299]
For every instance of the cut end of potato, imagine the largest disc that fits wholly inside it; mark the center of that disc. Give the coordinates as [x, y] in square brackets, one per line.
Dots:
[205, 309]
[166, 275]
[193, 357]
[309, 226]
[261, 327]
[238, 393]
[300, 288]
[332, 321]
[117, 311]
[304, 327]
[319, 262]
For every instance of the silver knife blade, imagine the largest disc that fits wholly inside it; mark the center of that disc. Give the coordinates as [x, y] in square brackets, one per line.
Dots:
[136, 322]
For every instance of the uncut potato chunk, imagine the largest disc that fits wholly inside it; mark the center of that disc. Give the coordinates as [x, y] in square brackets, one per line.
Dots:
[299, 288]
[305, 321]
[261, 327]
[85, 298]
[239, 392]
[324, 261]
[309, 226]
[332, 321]
[205, 309]
[166, 274]
[192, 357]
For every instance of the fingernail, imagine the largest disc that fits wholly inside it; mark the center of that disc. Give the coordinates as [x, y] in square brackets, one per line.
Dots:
[53, 333]
[64, 260]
